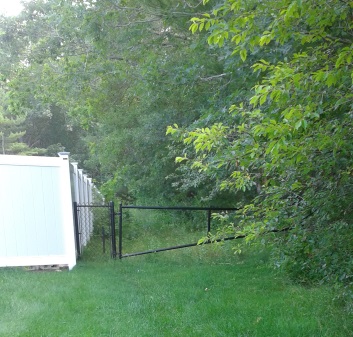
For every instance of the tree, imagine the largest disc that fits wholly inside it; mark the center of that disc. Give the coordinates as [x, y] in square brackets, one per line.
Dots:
[45, 123]
[290, 141]
[11, 133]
[124, 71]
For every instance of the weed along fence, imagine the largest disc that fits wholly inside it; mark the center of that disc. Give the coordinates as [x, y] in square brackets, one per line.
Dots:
[36, 217]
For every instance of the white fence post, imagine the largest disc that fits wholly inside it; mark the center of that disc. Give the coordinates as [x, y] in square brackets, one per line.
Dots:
[66, 201]
[89, 200]
[74, 182]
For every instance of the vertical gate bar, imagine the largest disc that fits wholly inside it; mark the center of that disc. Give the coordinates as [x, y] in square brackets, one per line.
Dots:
[77, 234]
[120, 230]
[112, 226]
[209, 214]
[103, 239]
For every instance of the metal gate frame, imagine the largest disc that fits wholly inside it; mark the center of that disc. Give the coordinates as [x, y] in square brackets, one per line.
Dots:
[209, 218]
[78, 227]
[112, 214]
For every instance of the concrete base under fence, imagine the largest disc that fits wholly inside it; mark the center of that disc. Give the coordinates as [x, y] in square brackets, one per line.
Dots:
[30, 261]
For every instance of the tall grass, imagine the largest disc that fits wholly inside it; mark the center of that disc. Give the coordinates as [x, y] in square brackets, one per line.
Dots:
[151, 229]
[199, 291]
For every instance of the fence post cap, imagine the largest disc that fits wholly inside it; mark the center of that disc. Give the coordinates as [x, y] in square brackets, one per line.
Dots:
[64, 155]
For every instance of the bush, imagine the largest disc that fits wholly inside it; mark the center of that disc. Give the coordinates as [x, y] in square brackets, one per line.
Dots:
[321, 255]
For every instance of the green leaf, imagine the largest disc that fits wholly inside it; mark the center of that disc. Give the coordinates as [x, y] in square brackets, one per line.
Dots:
[263, 99]
[331, 79]
[243, 54]
[180, 159]
[193, 27]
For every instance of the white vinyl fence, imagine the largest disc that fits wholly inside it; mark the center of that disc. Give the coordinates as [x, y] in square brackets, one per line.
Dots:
[85, 193]
[36, 217]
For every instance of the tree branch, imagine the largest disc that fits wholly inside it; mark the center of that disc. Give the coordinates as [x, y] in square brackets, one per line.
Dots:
[210, 78]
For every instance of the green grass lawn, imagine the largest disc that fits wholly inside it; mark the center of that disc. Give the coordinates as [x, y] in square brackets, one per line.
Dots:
[196, 291]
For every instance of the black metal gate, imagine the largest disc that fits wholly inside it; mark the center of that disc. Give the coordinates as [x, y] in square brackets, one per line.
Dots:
[209, 211]
[95, 231]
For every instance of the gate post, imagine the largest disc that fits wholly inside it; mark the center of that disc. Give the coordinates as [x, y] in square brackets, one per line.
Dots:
[120, 230]
[209, 216]
[77, 234]
[112, 228]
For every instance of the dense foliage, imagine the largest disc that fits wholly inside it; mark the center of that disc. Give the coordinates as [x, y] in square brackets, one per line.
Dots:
[291, 140]
[121, 72]
[255, 96]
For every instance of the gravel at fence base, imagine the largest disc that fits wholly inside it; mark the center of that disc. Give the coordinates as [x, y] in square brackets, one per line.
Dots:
[52, 267]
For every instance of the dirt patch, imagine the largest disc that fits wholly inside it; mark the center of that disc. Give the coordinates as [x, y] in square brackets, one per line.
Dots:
[51, 267]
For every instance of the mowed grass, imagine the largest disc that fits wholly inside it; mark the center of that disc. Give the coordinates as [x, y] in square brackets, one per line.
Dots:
[199, 291]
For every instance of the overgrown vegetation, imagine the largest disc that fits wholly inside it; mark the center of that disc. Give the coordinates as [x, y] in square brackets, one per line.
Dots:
[255, 98]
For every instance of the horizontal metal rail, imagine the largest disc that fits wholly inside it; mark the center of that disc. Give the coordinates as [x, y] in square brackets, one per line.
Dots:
[184, 208]
[89, 206]
[181, 246]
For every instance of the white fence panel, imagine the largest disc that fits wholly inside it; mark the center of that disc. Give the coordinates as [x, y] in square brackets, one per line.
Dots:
[36, 224]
